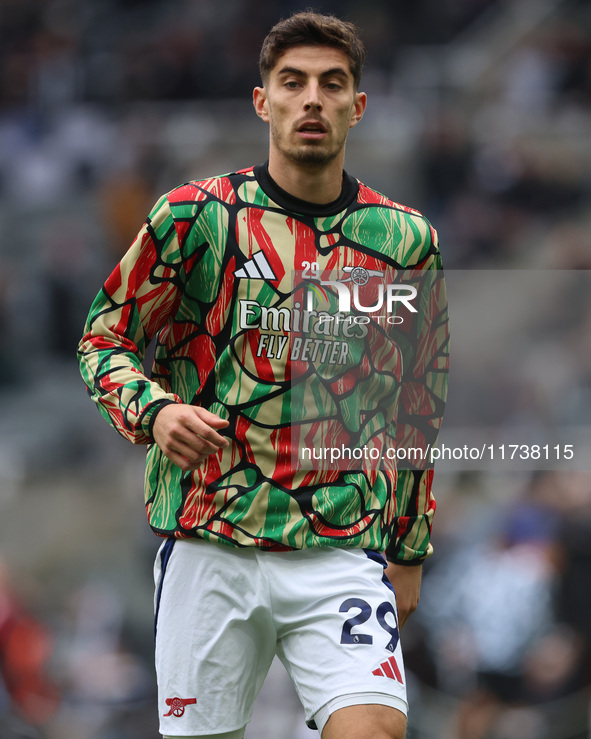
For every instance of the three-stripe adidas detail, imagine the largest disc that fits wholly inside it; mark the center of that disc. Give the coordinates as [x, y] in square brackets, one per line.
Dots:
[257, 268]
[390, 669]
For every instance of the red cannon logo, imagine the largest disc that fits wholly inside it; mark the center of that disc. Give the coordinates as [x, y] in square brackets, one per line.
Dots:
[177, 705]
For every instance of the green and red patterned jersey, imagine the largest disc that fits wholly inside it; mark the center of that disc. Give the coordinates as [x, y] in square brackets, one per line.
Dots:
[224, 275]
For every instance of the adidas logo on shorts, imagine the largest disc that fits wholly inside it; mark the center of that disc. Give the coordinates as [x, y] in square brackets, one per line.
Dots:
[389, 668]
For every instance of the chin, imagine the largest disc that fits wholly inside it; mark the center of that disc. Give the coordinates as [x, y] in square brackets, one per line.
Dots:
[312, 155]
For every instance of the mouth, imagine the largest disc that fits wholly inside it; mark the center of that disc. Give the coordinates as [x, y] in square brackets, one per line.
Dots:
[311, 130]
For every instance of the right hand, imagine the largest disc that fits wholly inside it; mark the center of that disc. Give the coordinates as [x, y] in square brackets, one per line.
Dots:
[187, 434]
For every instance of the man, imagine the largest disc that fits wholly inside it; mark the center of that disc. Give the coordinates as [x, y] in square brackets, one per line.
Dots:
[262, 555]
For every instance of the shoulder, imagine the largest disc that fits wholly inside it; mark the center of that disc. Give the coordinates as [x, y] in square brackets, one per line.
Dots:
[368, 196]
[221, 188]
[405, 233]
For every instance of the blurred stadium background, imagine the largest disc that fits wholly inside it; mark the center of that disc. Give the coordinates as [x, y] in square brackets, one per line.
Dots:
[480, 116]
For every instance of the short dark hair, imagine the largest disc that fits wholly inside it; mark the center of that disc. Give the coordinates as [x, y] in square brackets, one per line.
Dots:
[312, 29]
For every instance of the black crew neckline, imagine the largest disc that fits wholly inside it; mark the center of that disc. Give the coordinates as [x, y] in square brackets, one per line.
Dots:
[304, 207]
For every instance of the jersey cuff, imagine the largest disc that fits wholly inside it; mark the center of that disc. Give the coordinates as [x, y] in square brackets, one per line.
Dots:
[393, 556]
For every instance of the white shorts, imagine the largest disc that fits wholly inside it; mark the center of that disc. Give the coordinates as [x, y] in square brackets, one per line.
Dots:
[223, 613]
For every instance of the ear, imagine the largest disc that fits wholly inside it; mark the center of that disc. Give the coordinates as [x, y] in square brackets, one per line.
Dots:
[359, 105]
[261, 105]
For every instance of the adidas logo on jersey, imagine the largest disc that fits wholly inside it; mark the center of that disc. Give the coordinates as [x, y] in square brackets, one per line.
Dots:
[257, 268]
[389, 668]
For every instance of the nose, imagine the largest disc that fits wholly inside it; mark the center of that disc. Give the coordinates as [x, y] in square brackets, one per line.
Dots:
[313, 98]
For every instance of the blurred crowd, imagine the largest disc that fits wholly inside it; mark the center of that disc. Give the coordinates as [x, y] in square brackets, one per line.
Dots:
[481, 119]
[115, 51]
[503, 628]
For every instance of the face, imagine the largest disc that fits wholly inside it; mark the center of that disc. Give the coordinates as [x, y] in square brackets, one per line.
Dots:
[310, 103]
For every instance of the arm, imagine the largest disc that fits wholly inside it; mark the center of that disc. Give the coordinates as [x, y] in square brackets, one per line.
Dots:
[425, 344]
[133, 304]
[406, 581]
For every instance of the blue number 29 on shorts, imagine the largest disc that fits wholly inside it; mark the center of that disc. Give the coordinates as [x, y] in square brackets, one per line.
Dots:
[365, 613]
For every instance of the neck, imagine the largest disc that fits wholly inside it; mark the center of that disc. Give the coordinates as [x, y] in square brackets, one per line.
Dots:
[315, 183]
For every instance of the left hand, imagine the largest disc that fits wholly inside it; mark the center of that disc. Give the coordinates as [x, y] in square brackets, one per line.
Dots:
[406, 580]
